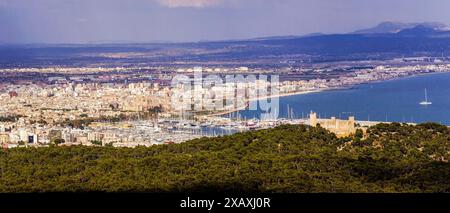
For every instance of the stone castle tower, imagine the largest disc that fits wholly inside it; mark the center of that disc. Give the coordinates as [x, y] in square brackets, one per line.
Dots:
[340, 127]
[313, 119]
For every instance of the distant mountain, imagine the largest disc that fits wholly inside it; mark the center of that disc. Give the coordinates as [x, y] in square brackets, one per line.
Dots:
[395, 27]
[285, 37]
[426, 39]
[418, 30]
[386, 41]
[273, 37]
[385, 27]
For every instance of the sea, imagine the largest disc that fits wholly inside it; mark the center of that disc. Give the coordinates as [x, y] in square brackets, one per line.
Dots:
[392, 101]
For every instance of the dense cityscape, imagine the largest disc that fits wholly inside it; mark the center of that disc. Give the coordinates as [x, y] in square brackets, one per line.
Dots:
[81, 107]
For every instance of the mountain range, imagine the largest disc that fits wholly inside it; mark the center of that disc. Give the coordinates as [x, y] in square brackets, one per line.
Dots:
[395, 27]
[384, 41]
[387, 40]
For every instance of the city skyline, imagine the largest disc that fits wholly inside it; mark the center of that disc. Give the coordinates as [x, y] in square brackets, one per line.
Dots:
[99, 21]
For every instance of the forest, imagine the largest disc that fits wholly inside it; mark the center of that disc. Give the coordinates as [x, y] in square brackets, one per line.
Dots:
[286, 159]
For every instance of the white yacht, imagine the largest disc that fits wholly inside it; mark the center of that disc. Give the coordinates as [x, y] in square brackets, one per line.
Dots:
[425, 102]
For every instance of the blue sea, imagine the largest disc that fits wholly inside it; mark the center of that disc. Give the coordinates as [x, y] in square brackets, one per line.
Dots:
[394, 101]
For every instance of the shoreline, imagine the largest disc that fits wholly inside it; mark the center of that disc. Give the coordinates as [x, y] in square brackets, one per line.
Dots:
[265, 97]
[323, 90]
[269, 96]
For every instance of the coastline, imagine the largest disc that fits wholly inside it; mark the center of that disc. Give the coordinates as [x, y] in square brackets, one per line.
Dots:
[265, 97]
[347, 87]
[228, 111]
[404, 77]
[288, 94]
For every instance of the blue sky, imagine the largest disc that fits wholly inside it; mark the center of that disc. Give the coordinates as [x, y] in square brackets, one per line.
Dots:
[84, 21]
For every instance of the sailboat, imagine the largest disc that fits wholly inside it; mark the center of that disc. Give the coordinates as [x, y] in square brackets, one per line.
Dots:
[426, 102]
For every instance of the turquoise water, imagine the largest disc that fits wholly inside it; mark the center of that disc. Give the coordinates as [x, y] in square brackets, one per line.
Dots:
[395, 100]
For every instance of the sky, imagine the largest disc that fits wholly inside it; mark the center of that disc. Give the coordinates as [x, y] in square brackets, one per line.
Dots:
[99, 21]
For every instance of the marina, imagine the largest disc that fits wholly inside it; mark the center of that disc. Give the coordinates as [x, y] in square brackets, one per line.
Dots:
[387, 101]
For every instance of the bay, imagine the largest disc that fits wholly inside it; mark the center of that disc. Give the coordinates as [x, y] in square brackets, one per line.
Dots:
[394, 101]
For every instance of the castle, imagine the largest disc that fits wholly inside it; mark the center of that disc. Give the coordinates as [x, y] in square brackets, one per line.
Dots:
[341, 128]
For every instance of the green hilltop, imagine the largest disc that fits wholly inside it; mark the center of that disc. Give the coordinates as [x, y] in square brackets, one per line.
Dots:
[388, 158]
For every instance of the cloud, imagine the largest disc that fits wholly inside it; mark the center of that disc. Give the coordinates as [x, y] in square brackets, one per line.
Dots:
[188, 3]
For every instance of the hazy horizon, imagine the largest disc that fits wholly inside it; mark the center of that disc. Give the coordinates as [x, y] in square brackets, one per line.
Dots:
[136, 21]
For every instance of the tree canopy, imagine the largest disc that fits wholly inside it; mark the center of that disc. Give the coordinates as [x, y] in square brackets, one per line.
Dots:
[291, 158]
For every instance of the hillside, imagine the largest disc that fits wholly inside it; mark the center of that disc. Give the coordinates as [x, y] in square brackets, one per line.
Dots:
[393, 158]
